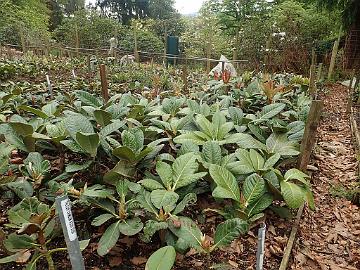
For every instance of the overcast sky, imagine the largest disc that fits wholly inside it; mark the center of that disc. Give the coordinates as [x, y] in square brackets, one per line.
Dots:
[183, 6]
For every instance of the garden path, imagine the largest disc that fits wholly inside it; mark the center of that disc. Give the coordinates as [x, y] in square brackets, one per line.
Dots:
[329, 237]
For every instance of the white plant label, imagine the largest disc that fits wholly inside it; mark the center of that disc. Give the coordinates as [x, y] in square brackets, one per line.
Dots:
[69, 220]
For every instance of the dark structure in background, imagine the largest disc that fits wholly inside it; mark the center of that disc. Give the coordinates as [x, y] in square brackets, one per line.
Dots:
[172, 48]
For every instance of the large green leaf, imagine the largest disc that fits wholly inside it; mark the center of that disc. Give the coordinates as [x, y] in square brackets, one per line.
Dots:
[75, 123]
[270, 111]
[109, 239]
[73, 146]
[253, 188]
[112, 127]
[131, 227]
[124, 152]
[279, 144]
[51, 108]
[211, 152]
[150, 228]
[218, 121]
[88, 99]
[122, 168]
[295, 174]
[236, 115]
[163, 199]
[162, 259]
[293, 194]
[133, 138]
[100, 220]
[189, 198]
[102, 117]
[37, 168]
[205, 126]
[243, 165]
[227, 231]
[151, 184]
[260, 205]
[246, 141]
[189, 233]
[165, 172]
[89, 142]
[184, 168]
[34, 111]
[15, 242]
[227, 186]
[270, 163]
[22, 129]
[191, 138]
[256, 159]
[71, 168]
[144, 198]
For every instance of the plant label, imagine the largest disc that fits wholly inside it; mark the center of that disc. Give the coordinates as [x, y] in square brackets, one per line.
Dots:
[49, 85]
[63, 208]
[69, 220]
[261, 248]
[73, 73]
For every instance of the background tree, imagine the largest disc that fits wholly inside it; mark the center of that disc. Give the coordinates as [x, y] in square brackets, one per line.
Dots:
[24, 22]
[56, 14]
[124, 10]
[349, 10]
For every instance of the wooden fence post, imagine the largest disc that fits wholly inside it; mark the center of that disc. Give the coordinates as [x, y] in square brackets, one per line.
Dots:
[308, 140]
[307, 145]
[333, 56]
[104, 83]
[319, 74]
[350, 96]
[312, 86]
[136, 52]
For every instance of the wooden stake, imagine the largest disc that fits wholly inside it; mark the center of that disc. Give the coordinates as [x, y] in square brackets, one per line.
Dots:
[291, 240]
[312, 86]
[350, 96]
[308, 140]
[307, 145]
[352, 76]
[104, 83]
[208, 56]
[77, 40]
[165, 43]
[184, 75]
[136, 52]
[88, 62]
[333, 56]
[319, 74]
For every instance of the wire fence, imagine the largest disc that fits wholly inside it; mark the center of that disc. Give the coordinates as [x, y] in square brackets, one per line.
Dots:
[271, 60]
